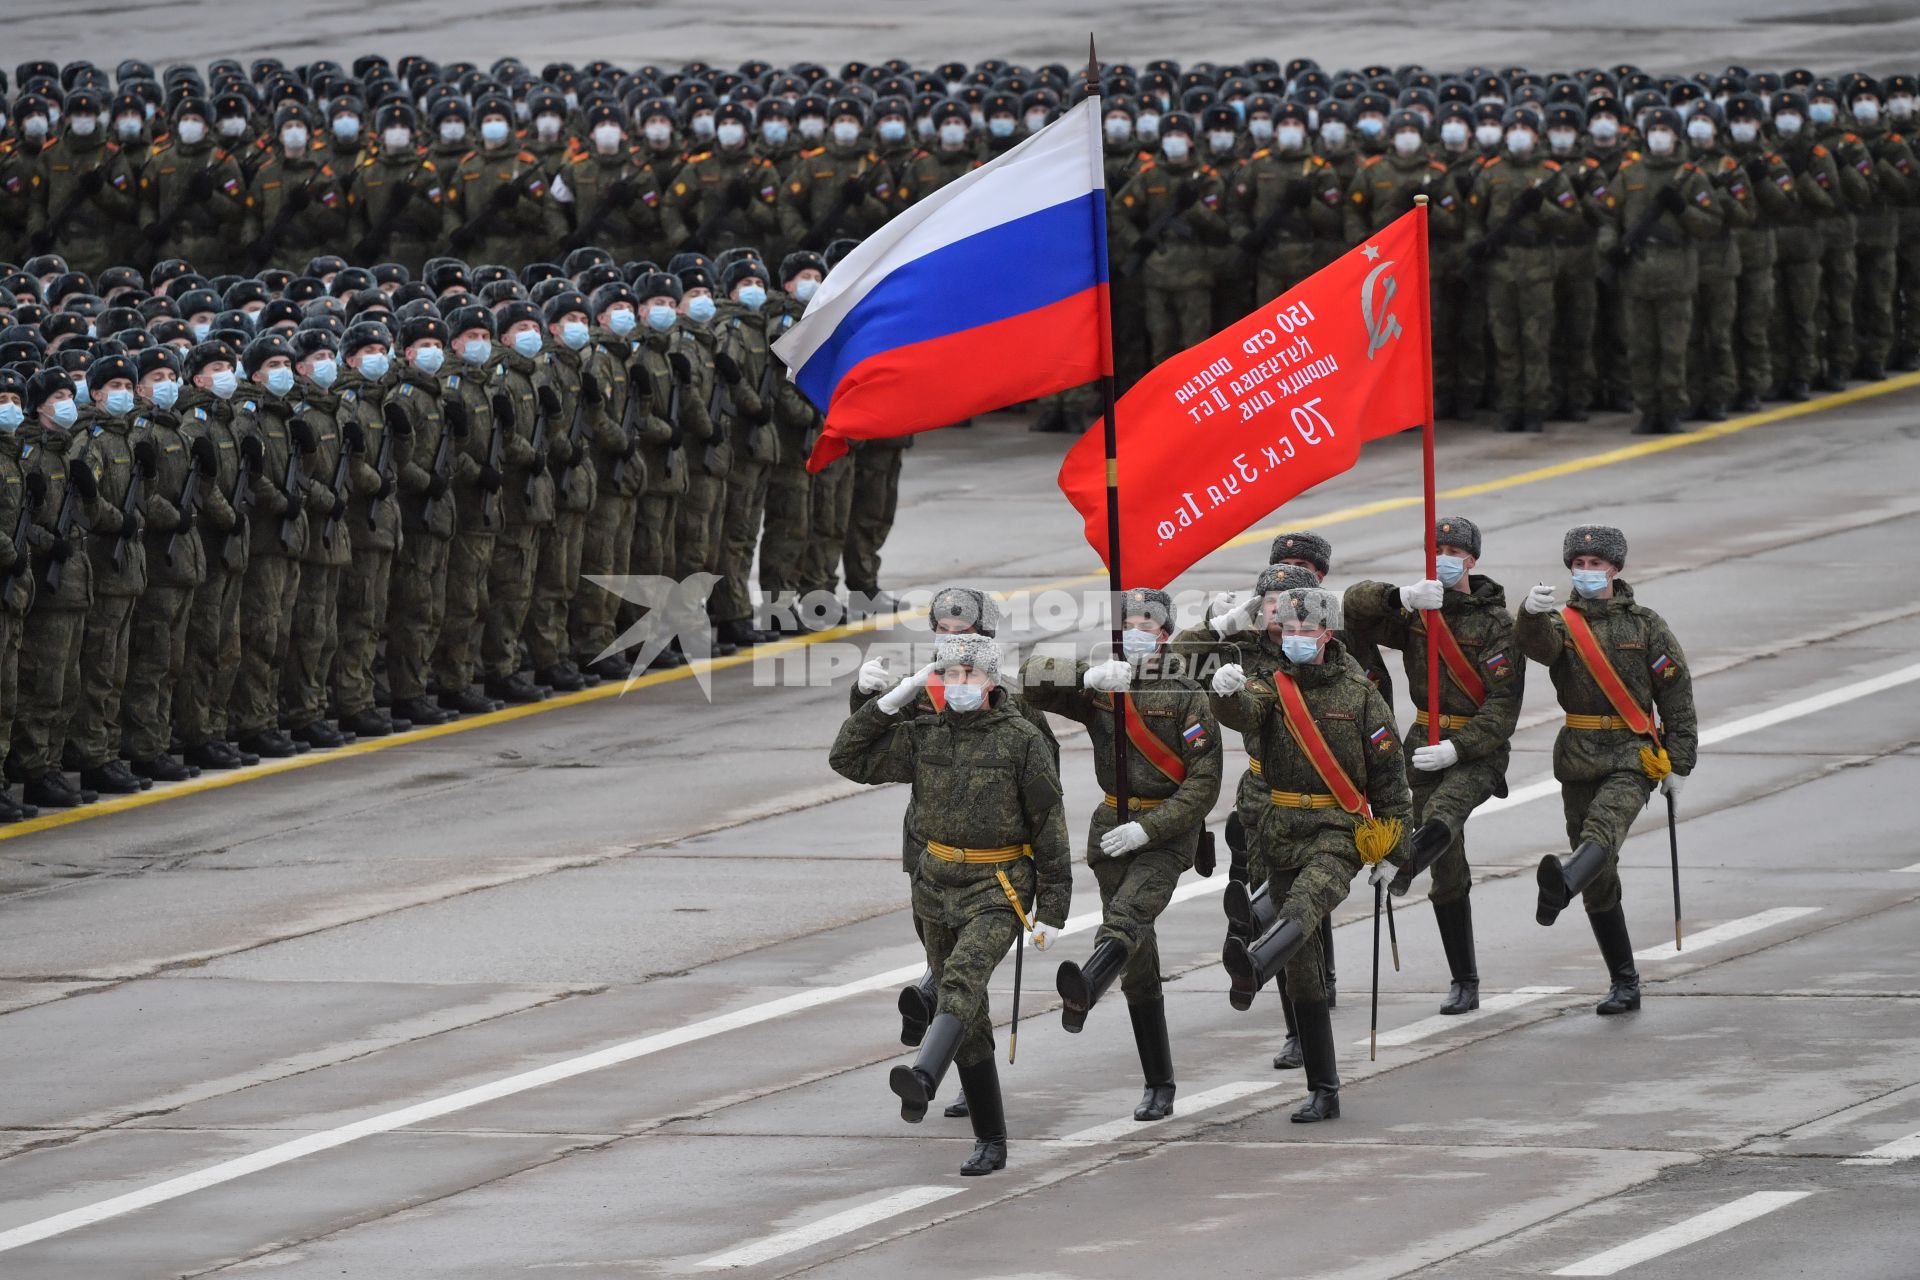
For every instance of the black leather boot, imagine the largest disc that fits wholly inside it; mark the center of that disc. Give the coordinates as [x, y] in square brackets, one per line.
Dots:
[1323, 1071]
[917, 1084]
[1081, 987]
[1288, 1059]
[916, 1009]
[982, 1083]
[1560, 879]
[1249, 913]
[1326, 952]
[957, 1109]
[1610, 931]
[1456, 939]
[1431, 839]
[1156, 1058]
[1252, 965]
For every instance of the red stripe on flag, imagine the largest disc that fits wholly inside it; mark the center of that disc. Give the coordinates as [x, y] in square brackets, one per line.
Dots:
[946, 380]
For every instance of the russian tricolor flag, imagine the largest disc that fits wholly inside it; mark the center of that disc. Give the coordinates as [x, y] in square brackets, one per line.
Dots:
[990, 291]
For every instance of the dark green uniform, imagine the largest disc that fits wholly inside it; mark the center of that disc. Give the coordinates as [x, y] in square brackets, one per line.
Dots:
[157, 645]
[205, 689]
[556, 579]
[834, 192]
[314, 635]
[193, 204]
[1839, 242]
[1758, 371]
[372, 528]
[1712, 380]
[93, 724]
[85, 200]
[1576, 295]
[477, 501]
[1309, 853]
[417, 598]
[789, 522]
[1164, 220]
[721, 200]
[526, 514]
[611, 202]
[1602, 784]
[620, 475]
[497, 208]
[1815, 183]
[1518, 204]
[296, 209]
[1891, 176]
[395, 208]
[756, 453]
[278, 538]
[1663, 274]
[16, 586]
[702, 507]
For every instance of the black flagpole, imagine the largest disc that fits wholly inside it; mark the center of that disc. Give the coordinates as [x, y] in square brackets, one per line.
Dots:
[1114, 582]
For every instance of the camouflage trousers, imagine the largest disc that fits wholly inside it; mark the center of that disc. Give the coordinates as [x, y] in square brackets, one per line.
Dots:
[52, 637]
[516, 553]
[556, 579]
[605, 547]
[1520, 297]
[1177, 319]
[1753, 316]
[744, 506]
[1576, 309]
[963, 959]
[832, 501]
[697, 523]
[205, 687]
[457, 653]
[876, 497]
[1712, 377]
[415, 600]
[1134, 890]
[1660, 285]
[362, 617]
[93, 720]
[266, 618]
[1451, 797]
[1876, 270]
[1307, 893]
[653, 530]
[1839, 280]
[1459, 311]
[157, 654]
[1601, 811]
[306, 676]
[11, 626]
[789, 523]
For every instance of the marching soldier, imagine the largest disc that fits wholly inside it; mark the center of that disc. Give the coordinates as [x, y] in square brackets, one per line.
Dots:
[84, 201]
[743, 320]
[496, 207]
[314, 628]
[614, 201]
[1166, 218]
[1465, 615]
[837, 190]
[17, 494]
[790, 486]
[1337, 792]
[371, 523]
[1756, 365]
[472, 401]
[526, 501]
[296, 209]
[995, 841]
[417, 597]
[572, 433]
[192, 194]
[1613, 662]
[1173, 778]
[395, 195]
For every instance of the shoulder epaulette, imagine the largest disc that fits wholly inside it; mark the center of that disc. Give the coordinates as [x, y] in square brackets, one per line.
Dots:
[1367, 162]
[1551, 164]
[808, 155]
[1489, 162]
[527, 157]
[1261, 154]
[1819, 150]
[1146, 166]
[698, 156]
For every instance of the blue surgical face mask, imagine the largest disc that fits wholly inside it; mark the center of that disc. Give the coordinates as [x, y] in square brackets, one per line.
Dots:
[621, 321]
[1449, 568]
[200, 332]
[1589, 582]
[279, 381]
[753, 297]
[966, 697]
[11, 416]
[476, 350]
[700, 310]
[574, 334]
[527, 343]
[1820, 112]
[1371, 126]
[891, 130]
[806, 289]
[225, 383]
[1135, 643]
[429, 359]
[493, 132]
[80, 390]
[165, 393]
[324, 372]
[1300, 648]
[374, 367]
[1000, 126]
[66, 412]
[119, 402]
[662, 318]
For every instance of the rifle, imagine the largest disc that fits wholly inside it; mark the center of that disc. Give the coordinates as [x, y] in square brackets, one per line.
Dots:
[189, 502]
[503, 195]
[576, 435]
[340, 472]
[294, 485]
[767, 392]
[1256, 240]
[496, 444]
[145, 463]
[713, 221]
[1187, 195]
[370, 245]
[383, 465]
[63, 530]
[682, 374]
[639, 392]
[252, 459]
[35, 486]
[549, 404]
[1636, 236]
[719, 410]
[442, 461]
[618, 195]
[298, 198]
[1495, 240]
[85, 189]
[817, 233]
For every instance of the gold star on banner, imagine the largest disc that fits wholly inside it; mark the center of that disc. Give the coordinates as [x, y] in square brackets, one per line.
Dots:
[1373, 252]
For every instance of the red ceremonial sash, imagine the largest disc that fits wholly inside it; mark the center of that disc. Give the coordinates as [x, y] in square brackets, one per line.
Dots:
[1307, 734]
[936, 692]
[1594, 658]
[1158, 753]
[1441, 637]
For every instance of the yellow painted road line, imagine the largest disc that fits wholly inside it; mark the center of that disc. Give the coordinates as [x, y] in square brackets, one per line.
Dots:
[1572, 466]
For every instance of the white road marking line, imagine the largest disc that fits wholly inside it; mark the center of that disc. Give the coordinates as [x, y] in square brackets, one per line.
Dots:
[1726, 932]
[1115, 1130]
[1682, 1234]
[1913, 870]
[1489, 1005]
[327, 1140]
[902, 1201]
[1899, 1149]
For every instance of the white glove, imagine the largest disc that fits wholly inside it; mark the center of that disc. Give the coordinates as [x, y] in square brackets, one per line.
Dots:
[1229, 680]
[1670, 787]
[1110, 676]
[1382, 873]
[1042, 935]
[1232, 612]
[1124, 838]
[1424, 594]
[1434, 759]
[1539, 599]
[873, 676]
[894, 700]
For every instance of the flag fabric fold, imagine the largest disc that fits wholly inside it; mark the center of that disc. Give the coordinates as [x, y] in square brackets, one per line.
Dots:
[1220, 436]
[987, 292]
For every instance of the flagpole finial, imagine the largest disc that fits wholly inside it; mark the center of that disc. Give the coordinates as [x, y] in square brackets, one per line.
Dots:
[1421, 201]
[1093, 69]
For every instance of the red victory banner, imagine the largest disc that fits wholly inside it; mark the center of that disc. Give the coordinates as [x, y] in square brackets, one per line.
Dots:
[1214, 440]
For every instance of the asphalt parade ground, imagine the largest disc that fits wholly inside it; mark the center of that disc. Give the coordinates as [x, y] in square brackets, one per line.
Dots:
[604, 988]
